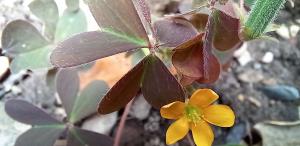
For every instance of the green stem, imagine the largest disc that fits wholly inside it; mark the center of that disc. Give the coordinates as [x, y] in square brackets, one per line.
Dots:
[262, 14]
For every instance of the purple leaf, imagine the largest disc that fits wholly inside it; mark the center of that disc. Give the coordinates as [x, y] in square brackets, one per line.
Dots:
[159, 86]
[86, 103]
[90, 46]
[67, 86]
[143, 7]
[40, 136]
[80, 137]
[174, 31]
[27, 113]
[123, 91]
[144, 13]
[119, 15]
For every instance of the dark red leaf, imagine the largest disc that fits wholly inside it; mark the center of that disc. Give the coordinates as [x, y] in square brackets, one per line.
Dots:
[174, 31]
[80, 137]
[229, 9]
[188, 58]
[67, 86]
[159, 86]
[213, 69]
[119, 15]
[40, 136]
[123, 91]
[90, 46]
[86, 103]
[226, 32]
[199, 20]
[185, 80]
[27, 113]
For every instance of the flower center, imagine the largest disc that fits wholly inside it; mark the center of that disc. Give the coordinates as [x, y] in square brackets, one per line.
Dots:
[193, 114]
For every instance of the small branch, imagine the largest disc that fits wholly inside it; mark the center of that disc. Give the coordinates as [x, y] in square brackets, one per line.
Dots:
[193, 11]
[122, 124]
[242, 3]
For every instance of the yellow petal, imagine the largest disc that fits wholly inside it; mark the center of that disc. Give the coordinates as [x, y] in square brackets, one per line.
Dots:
[203, 98]
[220, 115]
[177, 130]
[173, 110]
[202, 134]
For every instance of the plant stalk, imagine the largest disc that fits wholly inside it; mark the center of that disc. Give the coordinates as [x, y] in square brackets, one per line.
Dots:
[122, 124]
[261, 15]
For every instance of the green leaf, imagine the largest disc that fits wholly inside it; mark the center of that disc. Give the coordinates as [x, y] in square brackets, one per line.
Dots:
[69, 24]
[80, 137]
[73, 5]
[36, 59]
[249, 3]
[137, 56]
[40, 136]
[87, 102]
[47, 11]
[67, 86]
[263, 13]
[20, 36]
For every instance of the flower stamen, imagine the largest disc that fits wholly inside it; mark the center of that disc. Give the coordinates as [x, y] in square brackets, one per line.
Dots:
[193, 114]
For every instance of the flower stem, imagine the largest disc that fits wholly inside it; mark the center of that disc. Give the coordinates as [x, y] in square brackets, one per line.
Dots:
[122, 124]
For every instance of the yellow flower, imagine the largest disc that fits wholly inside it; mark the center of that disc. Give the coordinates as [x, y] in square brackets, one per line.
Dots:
[195, 114]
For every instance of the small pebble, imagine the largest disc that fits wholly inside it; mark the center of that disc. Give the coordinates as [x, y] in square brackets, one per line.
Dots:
[243, 55]
[101, 124]
[268, 57]
[4, 65]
